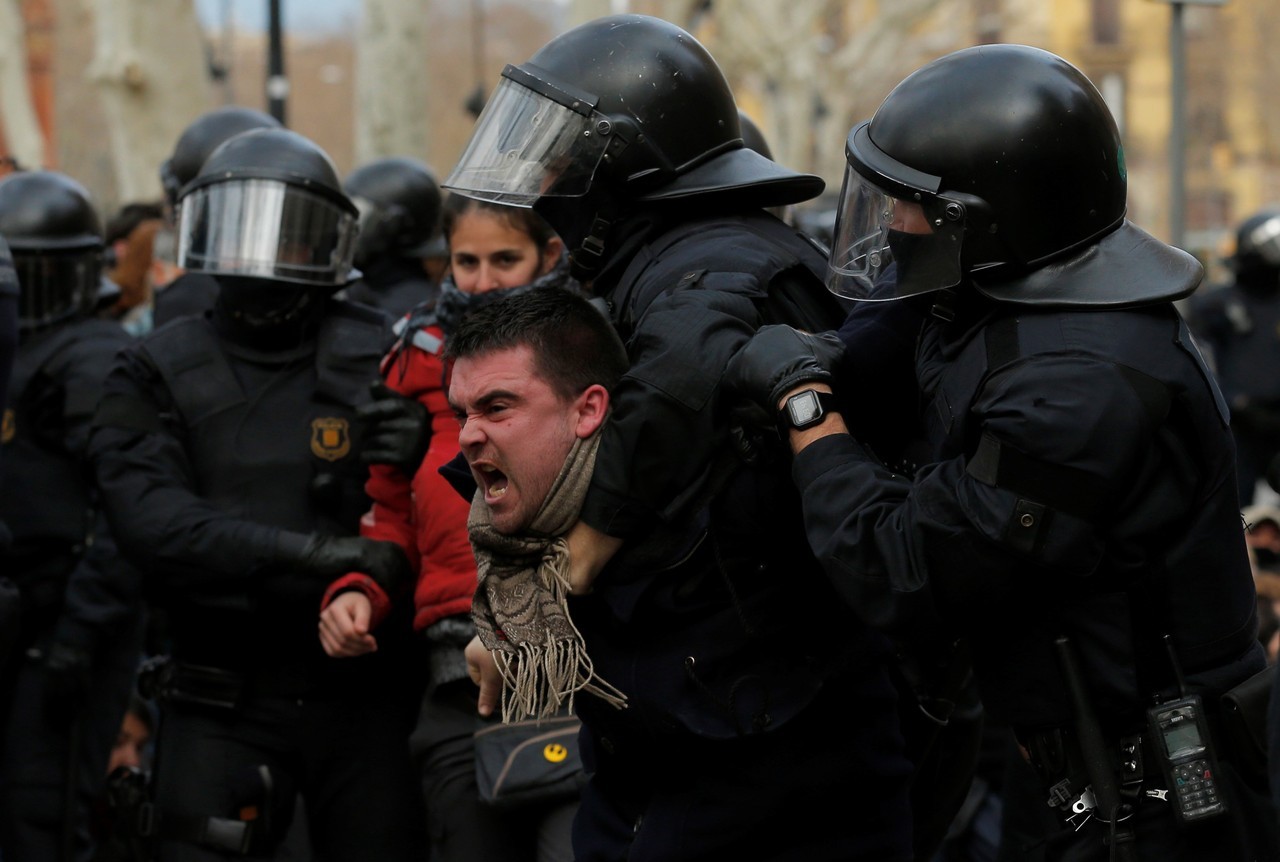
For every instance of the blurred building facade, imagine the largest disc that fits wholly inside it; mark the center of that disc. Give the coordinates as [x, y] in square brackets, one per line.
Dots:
[320, 67]
[1232, 119]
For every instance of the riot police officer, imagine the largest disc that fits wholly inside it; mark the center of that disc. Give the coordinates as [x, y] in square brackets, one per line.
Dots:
[1239, 324]
[68, 666]
[193, 293]
[226, 446]
[399, 205]
[1077, 518]
[623, 134]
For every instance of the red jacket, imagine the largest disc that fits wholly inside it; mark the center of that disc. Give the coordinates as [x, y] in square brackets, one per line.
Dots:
[425, 515]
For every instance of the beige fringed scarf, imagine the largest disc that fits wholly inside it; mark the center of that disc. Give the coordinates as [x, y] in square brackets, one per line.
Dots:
[520, 608]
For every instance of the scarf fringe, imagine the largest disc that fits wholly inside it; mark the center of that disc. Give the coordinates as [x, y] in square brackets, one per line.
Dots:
[539, 679]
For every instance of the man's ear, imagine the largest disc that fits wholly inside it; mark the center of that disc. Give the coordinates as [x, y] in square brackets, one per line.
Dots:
[592, 406]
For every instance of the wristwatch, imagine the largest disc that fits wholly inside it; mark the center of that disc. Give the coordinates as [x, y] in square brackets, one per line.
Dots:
[805, 409]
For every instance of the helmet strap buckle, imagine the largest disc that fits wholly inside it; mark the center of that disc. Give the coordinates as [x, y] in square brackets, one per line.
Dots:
[589, 254]
[944, 306]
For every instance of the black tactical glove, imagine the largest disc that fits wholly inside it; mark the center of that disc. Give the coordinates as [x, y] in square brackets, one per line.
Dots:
[778, 359]
[331, 557]
[67, 673]
[397, 429]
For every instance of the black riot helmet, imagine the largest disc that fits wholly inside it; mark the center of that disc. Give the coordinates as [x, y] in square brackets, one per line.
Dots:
[1256, 260]
[618, 112]
[752, 137]
[55, 239]
[268, 205]
[986, 166]
[201, 138]
[399, 203]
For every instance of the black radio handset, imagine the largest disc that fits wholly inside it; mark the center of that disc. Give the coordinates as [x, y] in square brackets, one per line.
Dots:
[1180, 733]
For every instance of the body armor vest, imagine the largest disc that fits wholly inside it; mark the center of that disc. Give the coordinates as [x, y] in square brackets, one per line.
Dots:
[47, 501]
[277, 442]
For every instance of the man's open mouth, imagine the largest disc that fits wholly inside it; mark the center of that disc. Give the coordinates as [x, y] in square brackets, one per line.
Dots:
[494, 480]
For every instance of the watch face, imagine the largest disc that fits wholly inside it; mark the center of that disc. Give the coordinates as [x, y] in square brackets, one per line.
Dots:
[804, 408]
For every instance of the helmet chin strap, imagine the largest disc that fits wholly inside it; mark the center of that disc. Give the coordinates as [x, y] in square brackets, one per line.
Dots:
[944, 305]
[585, 224]
[589, 256]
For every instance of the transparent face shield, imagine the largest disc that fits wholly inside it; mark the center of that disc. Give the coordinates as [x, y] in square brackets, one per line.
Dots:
[266, 229]
[886, 248]
[56, 285]
[526, 146]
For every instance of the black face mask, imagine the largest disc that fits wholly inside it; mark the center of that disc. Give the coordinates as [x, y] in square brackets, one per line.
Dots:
[924, 260]
[908, 249]
[263, 313]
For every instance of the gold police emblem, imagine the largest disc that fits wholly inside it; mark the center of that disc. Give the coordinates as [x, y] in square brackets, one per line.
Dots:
[554, 752]
[9, 427]
[330, 438]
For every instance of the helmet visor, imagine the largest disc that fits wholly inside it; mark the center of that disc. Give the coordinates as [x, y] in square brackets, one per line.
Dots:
[885, 248]
[526, 146]
[56, 285]
[266, 229]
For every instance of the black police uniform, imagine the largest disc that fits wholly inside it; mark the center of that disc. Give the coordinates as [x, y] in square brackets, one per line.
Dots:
[735, 652]
[8, 347]
[1082, 486]
[75, 592]
[208, 451]
[189, 293]
[8, 321]
[1239, 324]
[394, 286]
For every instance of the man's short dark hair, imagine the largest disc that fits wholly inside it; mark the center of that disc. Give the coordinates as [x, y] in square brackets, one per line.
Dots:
[573, 343]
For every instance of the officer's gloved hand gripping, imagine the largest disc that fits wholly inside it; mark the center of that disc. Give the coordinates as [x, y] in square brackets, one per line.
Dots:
[329, 557]
[778, 359]
[397, 430]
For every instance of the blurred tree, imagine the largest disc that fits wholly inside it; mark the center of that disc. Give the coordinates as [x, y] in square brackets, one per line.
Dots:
[151, 74]
[818, 66]
[582, 11]
[23, 140]
[392, 80]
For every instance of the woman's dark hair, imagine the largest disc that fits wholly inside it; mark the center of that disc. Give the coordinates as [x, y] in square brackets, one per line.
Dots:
[521, 218]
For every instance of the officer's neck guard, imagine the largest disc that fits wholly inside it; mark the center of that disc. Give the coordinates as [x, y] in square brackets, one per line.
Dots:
[741, 175]
[1127, 267]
